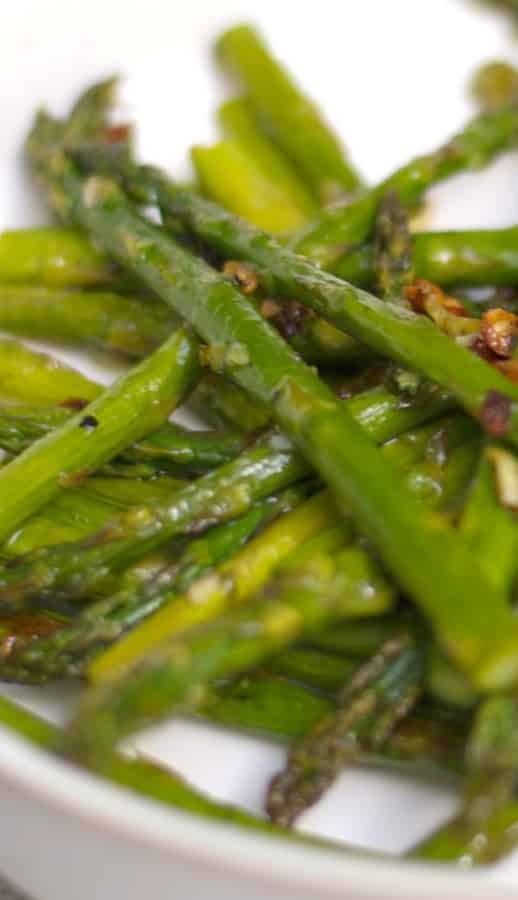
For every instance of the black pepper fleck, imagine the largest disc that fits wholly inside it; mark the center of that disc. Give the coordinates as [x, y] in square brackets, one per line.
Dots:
[88, 422]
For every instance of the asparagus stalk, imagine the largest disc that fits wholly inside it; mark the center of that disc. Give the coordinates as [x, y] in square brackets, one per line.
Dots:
[230, 586]
[381, 694]
[448, 258]
[135, 405]
[393, 249]
[338, 230]
[292, 119]
[495, 85]
[231, 173]
[285, 710]
[170, 449]
[407, 538]
[146, 778]
[32, 377]
[178, 674]
[221, 403]
[369, 394]
[73, 570]
[320, 664]
[53, 258]
[106, 320]
[485, 828]
[314, 527]
[381, 413]
[69, 649]
[490, 528]
[77, 512]
[410, 339]
[239, 124]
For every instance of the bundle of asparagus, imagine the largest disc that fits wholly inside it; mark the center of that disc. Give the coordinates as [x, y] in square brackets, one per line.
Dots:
[331, 561]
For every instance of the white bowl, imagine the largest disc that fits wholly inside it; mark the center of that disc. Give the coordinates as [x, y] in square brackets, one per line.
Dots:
[392, 77]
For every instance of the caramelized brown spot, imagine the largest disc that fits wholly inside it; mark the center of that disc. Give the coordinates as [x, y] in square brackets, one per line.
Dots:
[243, 274]
[479, 346]
[117, 134]
[495, 414]
[289, 317]
[73, 479]
[74, 403]
[421, 292]
[22, 629]
[500, 331]
[270, 309]
[509, 368]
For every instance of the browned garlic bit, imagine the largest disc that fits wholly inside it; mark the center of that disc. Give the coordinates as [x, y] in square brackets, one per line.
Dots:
[448, 313]
[500, 331]
[243, 274]
[288, 317]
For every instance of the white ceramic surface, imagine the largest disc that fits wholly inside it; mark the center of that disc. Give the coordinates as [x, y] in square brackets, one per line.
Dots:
[392, 76]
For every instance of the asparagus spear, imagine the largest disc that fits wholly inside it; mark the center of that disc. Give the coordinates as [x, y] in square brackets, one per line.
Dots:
[239, 124]
[231, 173]
[52, 257]
[490, 528]
[146, 778]
[106, 320]
[233, 584]
[369, 396]
[77, 512]
[309, 413]
[285, 710]
[177, 675]
[220, 403]
[170, 449]
[73, 570]
[391, 331]
[485, 828]
[135, 405]
[382, 693]
[382, 413]
[479, 258]
[495, 85]
[393, 249]
[69, 649]
[313, 527]
[447, 258]
[38, 378]
[338, 230]
[292, 119]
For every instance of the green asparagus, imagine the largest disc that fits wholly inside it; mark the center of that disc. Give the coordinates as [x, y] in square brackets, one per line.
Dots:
[485, 828]
[32, 377]
[410, 339]
[285, 544]
[178, 675]
[293, 120]
[340, 229]
[69, 649]
[134, 406]
[100, 319]
[447, 258]
[147, 778]
[381, 694]
[406, 537]
[170, 449]
[52, 257]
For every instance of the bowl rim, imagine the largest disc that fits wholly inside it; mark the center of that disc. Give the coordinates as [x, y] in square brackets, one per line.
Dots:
[138, 820]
